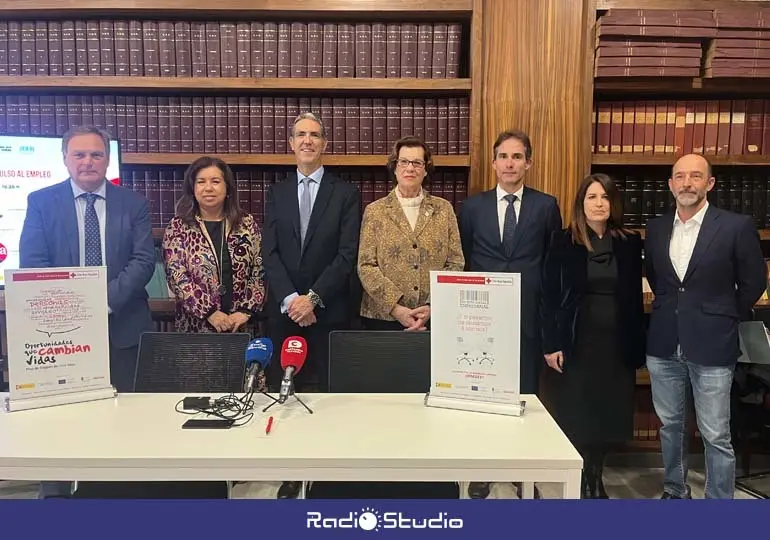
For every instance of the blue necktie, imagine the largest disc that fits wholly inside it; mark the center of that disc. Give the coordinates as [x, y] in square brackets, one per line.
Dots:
[93, 254]
[304, 208]
[509, 225]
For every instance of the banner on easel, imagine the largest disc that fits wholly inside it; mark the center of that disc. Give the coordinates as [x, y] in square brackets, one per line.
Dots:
[58, 342]
[475, 342]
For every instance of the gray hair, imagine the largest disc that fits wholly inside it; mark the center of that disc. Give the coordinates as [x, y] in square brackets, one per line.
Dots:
[309, 116]
[85, 130]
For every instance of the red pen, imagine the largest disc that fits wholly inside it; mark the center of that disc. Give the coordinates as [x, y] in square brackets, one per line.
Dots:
[269, 425]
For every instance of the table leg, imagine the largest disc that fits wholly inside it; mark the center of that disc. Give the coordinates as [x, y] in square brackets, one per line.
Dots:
[527, 490]
[571, 489]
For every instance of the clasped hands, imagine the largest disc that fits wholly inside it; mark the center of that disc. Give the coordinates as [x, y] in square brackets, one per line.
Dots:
[411, 319]
[222, 322]
[301, 311]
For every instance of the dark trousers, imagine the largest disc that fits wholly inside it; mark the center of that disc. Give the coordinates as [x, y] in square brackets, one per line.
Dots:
[531, 363]
[314, 375]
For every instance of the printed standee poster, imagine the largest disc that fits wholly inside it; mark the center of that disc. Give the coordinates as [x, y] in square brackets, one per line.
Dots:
[58, 342]
[475, 342]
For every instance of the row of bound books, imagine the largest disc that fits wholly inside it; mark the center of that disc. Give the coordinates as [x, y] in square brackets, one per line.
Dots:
[162, 186]
[710, 127]
[230, 49]
[256, 125]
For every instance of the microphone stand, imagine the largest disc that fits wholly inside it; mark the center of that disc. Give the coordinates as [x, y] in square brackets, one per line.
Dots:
[291, 393]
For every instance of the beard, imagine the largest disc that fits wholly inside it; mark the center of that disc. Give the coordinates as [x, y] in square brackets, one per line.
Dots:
[689, 199]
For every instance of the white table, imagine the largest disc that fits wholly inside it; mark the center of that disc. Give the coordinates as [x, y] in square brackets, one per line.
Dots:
[354, 437]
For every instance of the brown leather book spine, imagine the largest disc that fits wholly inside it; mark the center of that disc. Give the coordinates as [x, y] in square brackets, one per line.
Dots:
[151, 46]
[424, 51]
[107, 47]
[610, 51]
[86, 109]
[122, 49]
[183, 49]
[61, 119]
[737, 127]
[379, 50]
[292, 111]
[407, 117]
[418, 118]
[327, 115]
[54, 33]
[74, 118]
[257, 50]
[110, 116]
[167, 199]
[721, 53]
[12, 115]
[270, 49]
[3, 49]
[228, 43]
[699, 128]
[243, 36]
[689, 127]
[220, 124]
[442, 147]
[408, 50]
[137, 179]
[243, 186]
[244, 130]
[135, 48]
[141, 124]
[174, 124]
[213, 50]
[130, 121]
[363, 50]
[670, 126]
[27, 48]
[765, 149]
[454, 44]
[22, 114]
[48, 113]
[365, 127]
[647, 61]
[431, 123]
[723, 131]
[14, 48]
[298, 48]
[152, 188]
[255, 186]
[164, 125]
[255, 124]
[604, 112]
[35, 120]
[648, 71]
[268, 126]
[380, 126]
[284, 50]
[81, 47]
[281, 135]
[346, 50]
[439, 57]
[330, 50]
[153, 124]
[712, 126]
[233, 128]
[465, 126]
[616, 128]
[627, 132]
[167, 49]
[680, 111]
[393, 121]
[393, 50]
[68, 54]
[186, 123]
[198, 125]
[338, 125]
[352, 127]
[315, 49]
[41, 48]
[198, 49]
[753, 137]
[639, 115]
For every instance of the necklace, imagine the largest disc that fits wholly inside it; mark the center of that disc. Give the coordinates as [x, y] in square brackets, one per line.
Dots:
[222, 289]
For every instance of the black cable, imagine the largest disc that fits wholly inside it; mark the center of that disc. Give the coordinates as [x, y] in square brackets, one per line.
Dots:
[229, 407]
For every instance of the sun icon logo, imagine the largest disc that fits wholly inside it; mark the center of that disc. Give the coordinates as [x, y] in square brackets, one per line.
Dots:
[369, 520]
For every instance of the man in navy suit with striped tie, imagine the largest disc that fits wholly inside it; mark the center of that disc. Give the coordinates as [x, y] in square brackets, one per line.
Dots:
[88, 221]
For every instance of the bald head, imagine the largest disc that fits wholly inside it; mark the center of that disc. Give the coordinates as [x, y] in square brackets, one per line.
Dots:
[690, 181]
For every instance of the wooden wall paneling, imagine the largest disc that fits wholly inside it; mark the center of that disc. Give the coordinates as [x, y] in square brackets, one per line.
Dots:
[476, 181]
[534, 79]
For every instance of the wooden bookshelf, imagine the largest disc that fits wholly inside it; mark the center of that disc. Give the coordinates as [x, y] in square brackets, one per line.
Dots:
[685, 86]
[669, 159]
[241, 85]
[356, 160]
[680, 4]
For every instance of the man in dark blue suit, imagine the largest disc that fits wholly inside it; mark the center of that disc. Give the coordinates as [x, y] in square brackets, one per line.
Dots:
[507, 229]
[706, 269]
[88, 221]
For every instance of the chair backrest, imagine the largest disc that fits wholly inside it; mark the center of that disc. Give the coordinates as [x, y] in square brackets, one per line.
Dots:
[363, 361]
[195, 363]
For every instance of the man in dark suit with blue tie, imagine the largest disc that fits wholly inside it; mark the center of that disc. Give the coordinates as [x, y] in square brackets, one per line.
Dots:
[508, 229]
[706, 269]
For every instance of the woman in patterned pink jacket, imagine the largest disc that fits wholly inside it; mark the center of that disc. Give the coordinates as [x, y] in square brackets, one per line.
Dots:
[212, 253]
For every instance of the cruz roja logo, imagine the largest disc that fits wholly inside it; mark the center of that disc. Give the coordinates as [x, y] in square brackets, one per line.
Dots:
[370, 519]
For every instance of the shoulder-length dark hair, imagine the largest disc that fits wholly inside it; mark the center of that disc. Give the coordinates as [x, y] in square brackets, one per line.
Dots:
[187, 206]
[579, 226]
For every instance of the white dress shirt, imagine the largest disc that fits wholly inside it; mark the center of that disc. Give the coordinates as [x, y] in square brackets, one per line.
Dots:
[100, 205]
[683, 238]
[502, 206]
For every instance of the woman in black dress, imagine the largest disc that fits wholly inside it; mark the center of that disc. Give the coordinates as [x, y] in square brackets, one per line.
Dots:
[593, 326]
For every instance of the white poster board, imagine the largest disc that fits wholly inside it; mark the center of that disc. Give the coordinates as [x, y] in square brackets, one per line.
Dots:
[475, 342]
[58, 342]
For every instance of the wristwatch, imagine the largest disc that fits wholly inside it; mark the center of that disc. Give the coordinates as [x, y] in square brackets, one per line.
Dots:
[314, 298]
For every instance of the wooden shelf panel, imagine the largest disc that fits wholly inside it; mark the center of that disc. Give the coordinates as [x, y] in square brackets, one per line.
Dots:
[669, 159]
[682, 86]
[243, 85]
[339, 9]
[280, 159]
[680, 4]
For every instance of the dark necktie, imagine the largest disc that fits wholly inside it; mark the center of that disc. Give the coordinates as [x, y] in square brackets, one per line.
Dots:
[509, 225]
[93, 247]
[305, 208]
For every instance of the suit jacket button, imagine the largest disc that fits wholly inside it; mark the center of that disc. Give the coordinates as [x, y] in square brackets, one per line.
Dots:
[416, 288]
[681, 289]
[416, 267]
[414, 246]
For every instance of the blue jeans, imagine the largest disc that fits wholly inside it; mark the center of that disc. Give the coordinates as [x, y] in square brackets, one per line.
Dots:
[670, 379]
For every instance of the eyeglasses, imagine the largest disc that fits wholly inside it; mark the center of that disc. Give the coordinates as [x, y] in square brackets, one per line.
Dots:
[416, 163]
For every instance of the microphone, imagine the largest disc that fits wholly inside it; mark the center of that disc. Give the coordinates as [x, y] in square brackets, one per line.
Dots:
[293, 355]
[259, 352]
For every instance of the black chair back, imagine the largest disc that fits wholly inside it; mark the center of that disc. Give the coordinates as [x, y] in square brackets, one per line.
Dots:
[195, 363]
[372, 362]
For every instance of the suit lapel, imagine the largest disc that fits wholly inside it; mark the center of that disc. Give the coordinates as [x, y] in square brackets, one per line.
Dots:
[526, 211]
[66, 201]
[396, 215]
[322, 199]
[292, 204]
[708, 230]
[490, 224]
[112, 229]
[424, 216]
